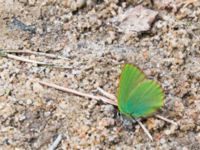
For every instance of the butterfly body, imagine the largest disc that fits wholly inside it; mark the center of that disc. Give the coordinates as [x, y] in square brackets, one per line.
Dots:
[137, 95]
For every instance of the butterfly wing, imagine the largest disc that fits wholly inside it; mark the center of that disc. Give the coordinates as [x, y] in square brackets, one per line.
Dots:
[131, 76]
[145, 99]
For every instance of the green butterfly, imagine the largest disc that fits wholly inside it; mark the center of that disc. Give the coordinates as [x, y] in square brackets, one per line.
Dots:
[137, 95]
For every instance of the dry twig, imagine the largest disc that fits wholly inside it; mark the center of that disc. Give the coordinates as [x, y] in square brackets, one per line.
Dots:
[35, 53]
[104, 99]
[32, 61]
[108, 95]
[167, 120]
[26, 60]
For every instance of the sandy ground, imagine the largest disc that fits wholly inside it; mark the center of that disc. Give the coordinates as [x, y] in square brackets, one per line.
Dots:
[32, 115]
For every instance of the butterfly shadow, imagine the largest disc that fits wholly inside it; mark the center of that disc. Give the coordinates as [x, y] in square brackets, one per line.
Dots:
[125, 122]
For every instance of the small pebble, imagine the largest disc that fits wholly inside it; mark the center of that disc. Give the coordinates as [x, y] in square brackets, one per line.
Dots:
[106, 122]
[37, 87]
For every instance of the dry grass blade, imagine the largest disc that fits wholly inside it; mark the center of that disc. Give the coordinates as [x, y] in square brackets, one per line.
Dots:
[35, 53]
[108, 95]
[104, 99]
[26, 60]
[32, 61]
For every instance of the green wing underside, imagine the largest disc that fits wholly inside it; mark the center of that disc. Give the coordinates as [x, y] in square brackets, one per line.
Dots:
[145, 99]
[138, 96]
[131, 76]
